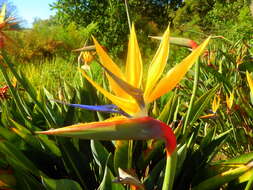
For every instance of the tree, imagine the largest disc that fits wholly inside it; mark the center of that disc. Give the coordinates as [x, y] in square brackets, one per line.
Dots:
[217, 17]
[110, 15]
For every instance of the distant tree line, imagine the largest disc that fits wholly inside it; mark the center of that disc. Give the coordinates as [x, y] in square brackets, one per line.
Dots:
[152, 16]
[110, 15]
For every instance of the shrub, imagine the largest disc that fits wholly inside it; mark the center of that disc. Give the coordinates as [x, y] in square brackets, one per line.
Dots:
[46, 41]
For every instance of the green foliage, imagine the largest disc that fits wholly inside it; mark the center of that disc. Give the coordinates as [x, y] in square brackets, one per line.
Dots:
[47, 40]
[190, 18]
[109, 15]
[74, 164]
[231, 19]
[212, 152]
[111, 18]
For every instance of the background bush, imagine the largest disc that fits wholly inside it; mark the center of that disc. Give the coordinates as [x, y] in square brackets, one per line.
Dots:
[47, 40]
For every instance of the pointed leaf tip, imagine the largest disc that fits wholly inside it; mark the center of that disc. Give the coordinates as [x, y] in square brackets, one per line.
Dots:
[2, 13]
[157, 65]
[175, 75]
[250, 81]
[134, 68]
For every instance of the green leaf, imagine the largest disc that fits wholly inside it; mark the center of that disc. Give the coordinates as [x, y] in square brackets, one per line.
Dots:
[209, 147]
[69, 91]
[121, 155]
[62, 184]
[146, 158]
[100, 155]
[201, 104]
[246, 177]
[242, 159]
[250, 182]
[220, 77]
[50, 145]
[26, 135]
[76, 163]
[154, 176]
[17, 158]
[48, 94]
[107, 180]
[27, 86]
[7, 134]
[181, 155]
[169, 109]
[218, 180]
[20, 106]
[27, 181]
[170, 171]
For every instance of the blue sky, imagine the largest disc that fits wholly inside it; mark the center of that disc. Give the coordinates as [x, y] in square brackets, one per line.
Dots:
[30, 9]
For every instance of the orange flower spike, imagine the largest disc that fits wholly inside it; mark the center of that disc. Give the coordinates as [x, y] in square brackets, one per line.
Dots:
[14, 82]
[216, 103]
[230, 100]
[87, 57]
[215, 106]
[250, 81]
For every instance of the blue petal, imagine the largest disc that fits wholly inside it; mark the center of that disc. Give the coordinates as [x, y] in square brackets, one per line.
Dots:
[111, 108]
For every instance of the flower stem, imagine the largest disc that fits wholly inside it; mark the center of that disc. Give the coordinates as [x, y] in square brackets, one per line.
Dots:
[170, 171]
[195, 85]
[128, 17]
[130, 154]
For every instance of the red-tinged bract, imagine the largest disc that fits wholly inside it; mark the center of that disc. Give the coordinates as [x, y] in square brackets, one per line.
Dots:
[120, 129]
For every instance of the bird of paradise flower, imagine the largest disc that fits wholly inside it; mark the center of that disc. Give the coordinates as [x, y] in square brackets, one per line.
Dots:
[215, 107]
[5, 25]
[130, 98]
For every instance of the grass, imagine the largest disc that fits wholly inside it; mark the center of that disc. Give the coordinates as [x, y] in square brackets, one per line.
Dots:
[51, 74]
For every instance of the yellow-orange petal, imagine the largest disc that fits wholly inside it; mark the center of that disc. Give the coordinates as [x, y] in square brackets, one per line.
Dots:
[134, 69]
[209, 116]
[175, 74]
[2, 13]
[250, 81]
[158, 64]
[135, 93]
[107, 62]
[216, 103]
[87, 57]
[128, 106]
[230, 100]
